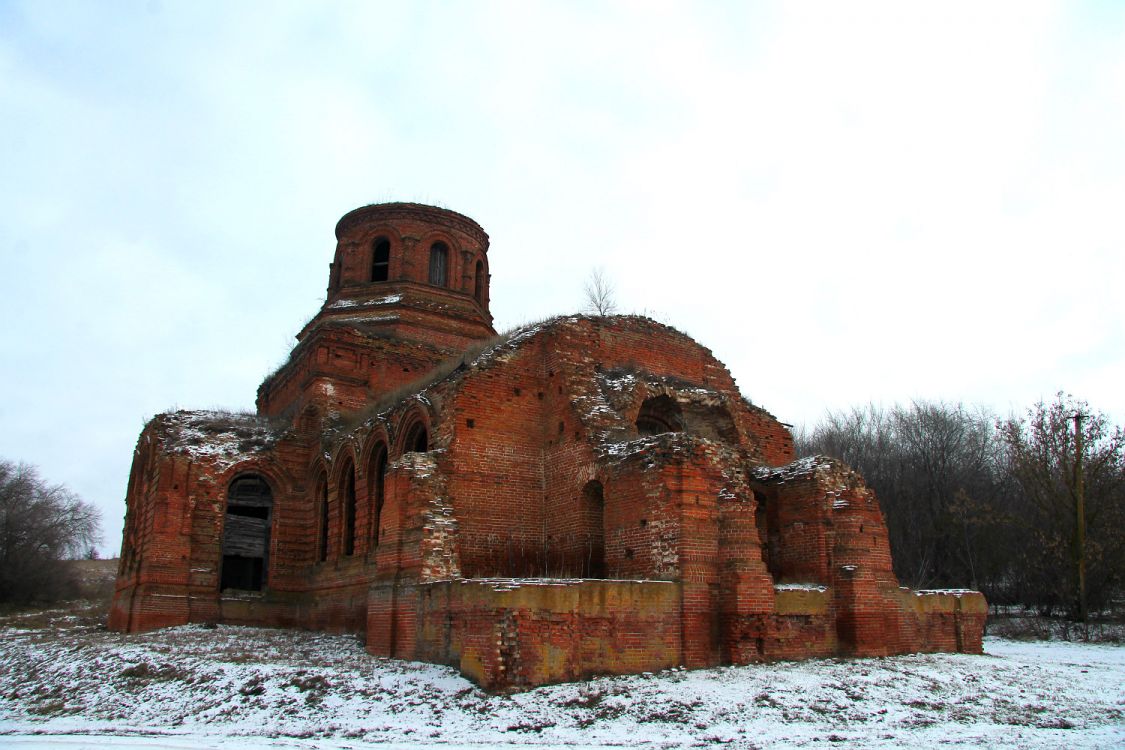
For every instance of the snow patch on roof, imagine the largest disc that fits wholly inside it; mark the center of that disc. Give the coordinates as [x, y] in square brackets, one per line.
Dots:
[799, 469]
[341, 304]
[219, 436]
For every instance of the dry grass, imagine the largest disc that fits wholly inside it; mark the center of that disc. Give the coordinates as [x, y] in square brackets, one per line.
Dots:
[1032, 627]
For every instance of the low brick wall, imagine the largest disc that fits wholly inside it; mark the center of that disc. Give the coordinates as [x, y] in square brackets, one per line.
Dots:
[518, 634]
[951, 620]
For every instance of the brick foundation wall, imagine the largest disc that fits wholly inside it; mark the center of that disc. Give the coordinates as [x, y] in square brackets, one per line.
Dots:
[518, 634]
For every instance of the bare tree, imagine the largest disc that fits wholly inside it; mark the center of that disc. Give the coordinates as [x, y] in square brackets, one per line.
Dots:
[934, 467]
[40, 526]
[1041, 451]
[601, 298]
[968, 500]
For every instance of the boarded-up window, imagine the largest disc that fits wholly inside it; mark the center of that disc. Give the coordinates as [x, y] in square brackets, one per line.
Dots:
[381, 260]
[439, 264]
[246, 534]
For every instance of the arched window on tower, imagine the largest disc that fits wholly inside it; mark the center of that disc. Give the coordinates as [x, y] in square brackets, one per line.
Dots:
[376, 476]
[347, 490]
[381, 259]
[439, 264]
[478, 282]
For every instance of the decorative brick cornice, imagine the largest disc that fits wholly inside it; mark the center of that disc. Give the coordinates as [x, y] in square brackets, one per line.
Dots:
[413, 211]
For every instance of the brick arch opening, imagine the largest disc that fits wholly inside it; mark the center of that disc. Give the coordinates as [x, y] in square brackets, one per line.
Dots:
[416, 436]
[769, 537]
[246, 534]
[709, 420]
[593, 525]
[659, 414]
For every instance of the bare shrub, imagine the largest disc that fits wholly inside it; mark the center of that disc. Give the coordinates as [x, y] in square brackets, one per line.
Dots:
[41, 525]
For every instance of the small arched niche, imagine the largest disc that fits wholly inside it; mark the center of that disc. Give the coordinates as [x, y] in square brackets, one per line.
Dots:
[246, 534]
[659, 414]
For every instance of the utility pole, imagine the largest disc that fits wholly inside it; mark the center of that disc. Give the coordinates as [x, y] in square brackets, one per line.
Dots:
[1080, 511]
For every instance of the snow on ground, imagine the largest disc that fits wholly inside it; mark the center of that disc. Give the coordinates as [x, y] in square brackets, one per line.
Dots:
[66, 682]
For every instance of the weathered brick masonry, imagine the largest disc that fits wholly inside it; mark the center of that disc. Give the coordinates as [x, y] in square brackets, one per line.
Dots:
[581, 496]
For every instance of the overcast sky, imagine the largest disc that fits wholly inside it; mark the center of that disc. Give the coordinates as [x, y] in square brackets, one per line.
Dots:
[847, 202]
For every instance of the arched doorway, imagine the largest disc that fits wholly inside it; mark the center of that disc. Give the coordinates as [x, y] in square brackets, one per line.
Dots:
[246, 534]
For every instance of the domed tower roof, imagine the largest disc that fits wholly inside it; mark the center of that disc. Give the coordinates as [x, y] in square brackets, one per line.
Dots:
[418, 272]
[377, 212]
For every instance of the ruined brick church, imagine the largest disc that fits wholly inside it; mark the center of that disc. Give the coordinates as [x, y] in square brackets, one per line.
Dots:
[581, 496]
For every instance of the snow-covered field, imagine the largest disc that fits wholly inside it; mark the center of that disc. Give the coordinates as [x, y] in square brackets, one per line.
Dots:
[65, 682]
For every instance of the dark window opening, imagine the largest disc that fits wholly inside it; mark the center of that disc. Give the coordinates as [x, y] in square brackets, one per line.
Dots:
[478, 283]
[349, 510]
[439, 262]
[381, 260]
[376, 475]
[417, 439]
[593, 519]
[765, 519]
[246, 535]
[659, 414]
[322, 537]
